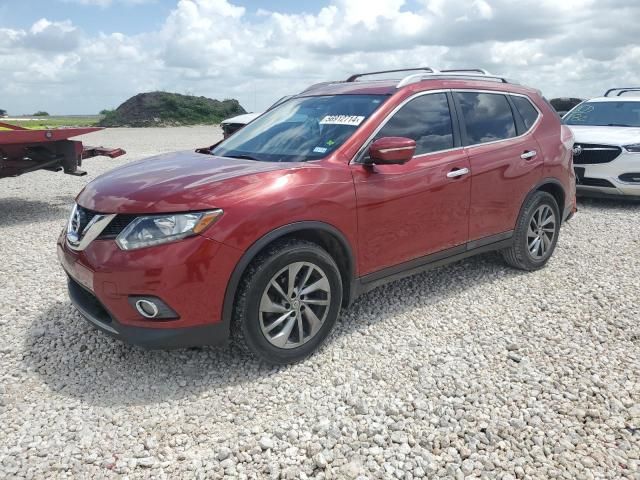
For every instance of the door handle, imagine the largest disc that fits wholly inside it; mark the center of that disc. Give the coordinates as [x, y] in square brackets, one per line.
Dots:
[458, 172]
[528, 155]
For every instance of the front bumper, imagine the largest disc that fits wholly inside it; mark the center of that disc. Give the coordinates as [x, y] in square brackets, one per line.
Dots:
[153, 338]
[603, 179]
[190, 276]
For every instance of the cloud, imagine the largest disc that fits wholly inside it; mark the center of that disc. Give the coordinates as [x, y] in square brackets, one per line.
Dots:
[216, 48]
[107, 3]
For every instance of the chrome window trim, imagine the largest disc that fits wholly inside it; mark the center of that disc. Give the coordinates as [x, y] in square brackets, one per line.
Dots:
[365, 144]
[356, 157]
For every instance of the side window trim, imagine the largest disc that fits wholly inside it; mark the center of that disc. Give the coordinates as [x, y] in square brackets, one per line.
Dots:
[465, 140]
[360, 154]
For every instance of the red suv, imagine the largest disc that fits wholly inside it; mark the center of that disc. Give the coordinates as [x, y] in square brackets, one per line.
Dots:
[342, 188]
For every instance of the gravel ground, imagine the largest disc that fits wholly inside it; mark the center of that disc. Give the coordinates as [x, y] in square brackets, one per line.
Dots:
[472, 370]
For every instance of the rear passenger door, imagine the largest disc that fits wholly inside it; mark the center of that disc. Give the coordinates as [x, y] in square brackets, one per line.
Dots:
[506, 161]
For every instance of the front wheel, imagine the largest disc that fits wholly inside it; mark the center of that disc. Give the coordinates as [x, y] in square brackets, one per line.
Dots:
[536, 233]
[288, 301]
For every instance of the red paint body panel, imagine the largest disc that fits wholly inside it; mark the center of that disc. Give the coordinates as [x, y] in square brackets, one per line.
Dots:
[387, 214]
[500, 182]
[411, 210]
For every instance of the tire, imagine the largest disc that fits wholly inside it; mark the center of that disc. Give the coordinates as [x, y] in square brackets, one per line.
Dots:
[525, 253]
[275, 319]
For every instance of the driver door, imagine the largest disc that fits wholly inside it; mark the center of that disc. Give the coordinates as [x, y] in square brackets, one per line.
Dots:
[422, 207]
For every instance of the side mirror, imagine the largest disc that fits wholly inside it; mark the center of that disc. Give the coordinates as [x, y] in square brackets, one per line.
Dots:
[392, 150]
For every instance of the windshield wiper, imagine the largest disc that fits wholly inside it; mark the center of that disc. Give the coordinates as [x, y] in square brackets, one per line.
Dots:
[618, 125]
[242, 157]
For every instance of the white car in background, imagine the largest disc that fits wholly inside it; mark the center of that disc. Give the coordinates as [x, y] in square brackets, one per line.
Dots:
[233, 124]
[606, 153]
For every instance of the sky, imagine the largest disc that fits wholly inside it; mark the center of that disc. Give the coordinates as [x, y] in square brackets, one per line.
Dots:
[82, 56]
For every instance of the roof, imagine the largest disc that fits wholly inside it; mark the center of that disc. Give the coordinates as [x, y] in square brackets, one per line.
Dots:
[623, 98]
[389, 87]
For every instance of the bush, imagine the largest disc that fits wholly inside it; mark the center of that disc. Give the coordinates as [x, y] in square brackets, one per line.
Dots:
[41, 114]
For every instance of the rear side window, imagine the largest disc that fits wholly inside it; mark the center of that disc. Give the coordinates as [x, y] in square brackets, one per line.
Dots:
[486, 116]
[527, 111]
[425, 119]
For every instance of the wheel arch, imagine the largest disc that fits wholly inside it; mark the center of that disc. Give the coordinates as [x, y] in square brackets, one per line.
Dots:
[325, 235]
[552, 186]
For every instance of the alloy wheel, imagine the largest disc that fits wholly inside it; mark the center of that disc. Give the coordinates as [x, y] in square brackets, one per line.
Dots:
[294, 305]
[541, 232]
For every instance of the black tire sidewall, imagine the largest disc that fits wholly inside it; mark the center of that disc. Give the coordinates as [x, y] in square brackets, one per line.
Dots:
[252, 332]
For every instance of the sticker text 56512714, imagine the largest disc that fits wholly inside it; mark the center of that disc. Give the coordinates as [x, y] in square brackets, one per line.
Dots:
[352, 120]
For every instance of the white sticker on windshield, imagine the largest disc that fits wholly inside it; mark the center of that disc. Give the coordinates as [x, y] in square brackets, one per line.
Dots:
[353, 120]
[320, 150]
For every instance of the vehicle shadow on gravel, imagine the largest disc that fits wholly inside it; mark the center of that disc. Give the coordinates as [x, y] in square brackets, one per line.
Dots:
[77, 361]
[609, 204]
[17, 211]
[73, 359]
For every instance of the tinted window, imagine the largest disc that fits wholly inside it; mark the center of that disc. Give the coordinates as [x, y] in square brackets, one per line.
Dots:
[610, 113]
[425, 119]
[527, 111]
[487, 117]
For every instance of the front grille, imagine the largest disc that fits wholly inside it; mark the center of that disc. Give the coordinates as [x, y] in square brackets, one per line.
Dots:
[591, 153]
[117, 225]
[85, 217]
[88, 302]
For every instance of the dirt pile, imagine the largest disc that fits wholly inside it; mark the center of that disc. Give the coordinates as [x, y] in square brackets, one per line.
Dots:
[155, 109]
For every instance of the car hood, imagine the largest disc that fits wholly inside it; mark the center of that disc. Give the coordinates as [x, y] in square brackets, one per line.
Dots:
[605, 135]
[174, 182]
[242, 119]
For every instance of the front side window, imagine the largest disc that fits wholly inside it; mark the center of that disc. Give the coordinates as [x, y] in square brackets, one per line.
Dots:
[301, 129]
[486, 116]
[527, 111]
[605, 114]
[425, 119]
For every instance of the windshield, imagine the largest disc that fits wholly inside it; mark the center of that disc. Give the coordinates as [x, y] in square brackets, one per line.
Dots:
[301, 129]
[611, 114]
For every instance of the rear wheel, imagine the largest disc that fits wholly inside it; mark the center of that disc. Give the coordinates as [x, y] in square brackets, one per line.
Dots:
[536, 233]
[288, 302]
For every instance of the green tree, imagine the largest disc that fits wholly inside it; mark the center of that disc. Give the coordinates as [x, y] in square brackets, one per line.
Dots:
[41, 114]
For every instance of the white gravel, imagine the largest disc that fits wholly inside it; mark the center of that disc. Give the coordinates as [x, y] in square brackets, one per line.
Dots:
[473, 370]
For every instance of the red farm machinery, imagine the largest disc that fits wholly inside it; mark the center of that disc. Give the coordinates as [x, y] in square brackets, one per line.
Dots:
[23, 150]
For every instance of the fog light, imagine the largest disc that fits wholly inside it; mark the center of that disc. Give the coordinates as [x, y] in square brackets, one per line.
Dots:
[152, 308]
[147, 308]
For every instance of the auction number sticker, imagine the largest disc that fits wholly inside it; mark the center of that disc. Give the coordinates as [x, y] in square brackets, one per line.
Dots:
[352, 120]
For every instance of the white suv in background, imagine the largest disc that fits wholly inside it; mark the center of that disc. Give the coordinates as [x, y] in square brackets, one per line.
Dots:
[606, 153]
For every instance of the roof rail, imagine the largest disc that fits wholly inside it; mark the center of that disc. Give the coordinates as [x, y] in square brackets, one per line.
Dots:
[354, 77]
[468, 73]
[621, 90]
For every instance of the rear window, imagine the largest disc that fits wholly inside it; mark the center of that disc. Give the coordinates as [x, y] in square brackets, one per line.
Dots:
[487, 117]
[527, 111]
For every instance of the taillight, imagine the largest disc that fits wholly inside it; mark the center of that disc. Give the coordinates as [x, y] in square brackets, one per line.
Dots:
[566, 137]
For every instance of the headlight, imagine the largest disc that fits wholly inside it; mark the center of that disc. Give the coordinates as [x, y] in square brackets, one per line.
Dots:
[635, 148]
[156, 229]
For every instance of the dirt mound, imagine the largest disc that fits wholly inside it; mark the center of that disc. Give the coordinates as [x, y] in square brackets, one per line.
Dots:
[155, 109]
